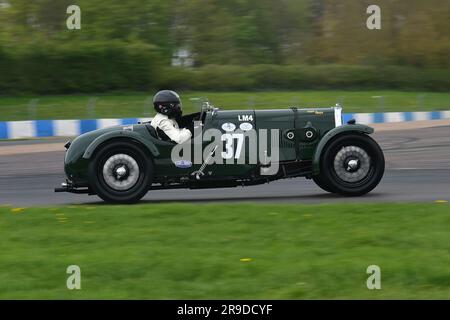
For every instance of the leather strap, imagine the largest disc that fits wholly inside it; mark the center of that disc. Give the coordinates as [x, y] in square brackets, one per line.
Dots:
[296, 140]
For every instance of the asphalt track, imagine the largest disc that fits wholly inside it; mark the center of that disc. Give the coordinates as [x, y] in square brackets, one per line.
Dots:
[417, 170]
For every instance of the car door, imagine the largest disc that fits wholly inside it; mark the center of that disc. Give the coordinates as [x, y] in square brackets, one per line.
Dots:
[238, 146]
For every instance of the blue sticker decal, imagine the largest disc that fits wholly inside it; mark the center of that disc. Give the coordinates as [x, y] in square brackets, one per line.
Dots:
[183, 164]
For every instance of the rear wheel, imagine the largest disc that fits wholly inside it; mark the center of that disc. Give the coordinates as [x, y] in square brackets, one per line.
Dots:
[352, 165]
[120, 172]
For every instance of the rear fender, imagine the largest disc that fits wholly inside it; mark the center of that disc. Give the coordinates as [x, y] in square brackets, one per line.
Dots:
[119, 134]
[330, 135]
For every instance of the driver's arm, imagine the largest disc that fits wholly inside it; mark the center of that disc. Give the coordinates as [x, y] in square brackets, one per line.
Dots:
[175, 134]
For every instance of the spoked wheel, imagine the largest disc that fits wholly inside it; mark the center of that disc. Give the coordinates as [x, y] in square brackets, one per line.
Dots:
[351, 165]
[120, 172]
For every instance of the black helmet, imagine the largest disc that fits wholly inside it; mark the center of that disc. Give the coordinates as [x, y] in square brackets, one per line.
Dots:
[168, 102]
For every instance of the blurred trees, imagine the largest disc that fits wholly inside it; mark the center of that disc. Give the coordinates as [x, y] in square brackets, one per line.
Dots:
[414, 32]
[129, 45]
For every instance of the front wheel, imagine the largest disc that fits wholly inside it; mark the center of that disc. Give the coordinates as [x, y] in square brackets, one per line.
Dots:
[321, 184]
[120, 172]
[352, 165]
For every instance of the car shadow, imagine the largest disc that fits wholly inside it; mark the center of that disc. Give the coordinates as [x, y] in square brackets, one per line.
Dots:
[275, 199]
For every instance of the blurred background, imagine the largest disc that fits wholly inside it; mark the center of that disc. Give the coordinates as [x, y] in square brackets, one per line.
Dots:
[237, 53]
[293, 241]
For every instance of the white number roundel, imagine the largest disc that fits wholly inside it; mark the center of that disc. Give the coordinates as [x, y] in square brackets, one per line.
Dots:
[228, 127]
[245, 126]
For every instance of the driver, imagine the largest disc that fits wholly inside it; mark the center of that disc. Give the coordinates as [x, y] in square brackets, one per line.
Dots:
[168, 106]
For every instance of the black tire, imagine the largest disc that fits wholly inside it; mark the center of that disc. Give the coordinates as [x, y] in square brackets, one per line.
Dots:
[321, 184]
[141, 178]
[369, 168]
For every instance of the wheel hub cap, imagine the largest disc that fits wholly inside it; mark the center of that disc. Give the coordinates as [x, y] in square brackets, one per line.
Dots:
[120, 172]
[352, 164]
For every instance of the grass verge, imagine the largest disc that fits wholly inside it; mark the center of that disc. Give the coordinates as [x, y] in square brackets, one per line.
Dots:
[237, 251]
[139, 104]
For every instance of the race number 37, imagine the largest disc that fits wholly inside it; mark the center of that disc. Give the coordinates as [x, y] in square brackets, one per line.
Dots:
[229, 139]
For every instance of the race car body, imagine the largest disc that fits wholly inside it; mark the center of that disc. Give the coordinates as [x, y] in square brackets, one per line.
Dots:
[227, 149]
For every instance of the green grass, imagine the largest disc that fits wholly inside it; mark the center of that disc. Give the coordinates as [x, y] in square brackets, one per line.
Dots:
[138, 104]
[161, 251]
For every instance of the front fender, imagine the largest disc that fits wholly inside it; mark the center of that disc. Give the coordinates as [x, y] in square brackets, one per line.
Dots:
[119, 134]
[349, 128]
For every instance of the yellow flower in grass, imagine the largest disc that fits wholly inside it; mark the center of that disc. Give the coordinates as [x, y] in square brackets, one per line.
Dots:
[246, 259]
[441, 201]
[17, 210]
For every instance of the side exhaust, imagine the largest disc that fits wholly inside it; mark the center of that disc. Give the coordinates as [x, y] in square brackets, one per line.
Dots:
[68, 187]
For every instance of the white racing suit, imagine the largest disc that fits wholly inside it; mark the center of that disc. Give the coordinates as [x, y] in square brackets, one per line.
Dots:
[170, 128]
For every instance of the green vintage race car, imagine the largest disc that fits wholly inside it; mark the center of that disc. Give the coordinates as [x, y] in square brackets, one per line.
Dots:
[121, 164]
